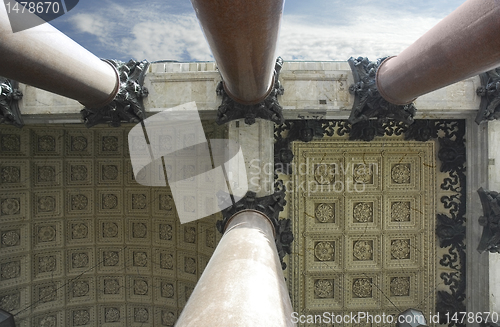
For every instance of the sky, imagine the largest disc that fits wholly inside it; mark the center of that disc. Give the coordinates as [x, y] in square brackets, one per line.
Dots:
[311, 30]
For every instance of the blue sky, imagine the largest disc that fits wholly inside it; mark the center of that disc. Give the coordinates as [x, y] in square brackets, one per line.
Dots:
[310, 30]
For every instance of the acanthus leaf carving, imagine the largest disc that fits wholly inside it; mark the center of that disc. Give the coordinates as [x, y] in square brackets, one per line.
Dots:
[270, 206]
[9, 108]
[127, 105]
[489, 91]
[490, 220]
[368, 103]
[268, 109]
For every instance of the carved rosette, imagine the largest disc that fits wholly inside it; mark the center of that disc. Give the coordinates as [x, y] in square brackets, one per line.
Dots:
[141, 287]
[168, 318]
[363, 250]
[362, 288]
[111, 315]
[368, 103]
[165, 232]
[363, 212]
[190, 265]
[46, 204]
[268, 109]
[324, 212]
[47, 234]
[489, 91]
[400, 286]
[10, 238]
[270, 206]
[111, 258]
[10, 174]
[46, 264]
[140, 259]
[324, 251]
[78, 173]
[80, 260]
[80, 288]
[9, 108]
[400, 174]
[324, 174]
[79, 202]
[167, 290]
[141, 315]
[166, 261]
[323, 288]
[363, 174]
[139, 230]
[400, 211]
[109, 201]
[109, 229]
[10, 206]
[111, 286]
[400, 249]
[127, 105]
[81, 317]
[10, 270]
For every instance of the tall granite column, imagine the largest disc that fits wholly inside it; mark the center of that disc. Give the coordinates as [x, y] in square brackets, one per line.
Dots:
[243, 283]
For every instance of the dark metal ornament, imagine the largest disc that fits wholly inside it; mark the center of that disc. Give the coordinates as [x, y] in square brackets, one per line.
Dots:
[127, 106]
[489, 91]
[270, 206]
[490, 239]
[368, 103]
[269, 109]
[9, 108]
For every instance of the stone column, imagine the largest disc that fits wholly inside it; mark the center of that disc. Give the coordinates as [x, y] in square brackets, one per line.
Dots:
[243, 40]
[243, 284]
[463, 44]
[45, 58]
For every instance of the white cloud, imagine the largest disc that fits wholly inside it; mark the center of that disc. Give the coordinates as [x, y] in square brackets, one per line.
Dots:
[175, 37]
[149, 35]
[152, 34]
[373, 35]
[89, 24]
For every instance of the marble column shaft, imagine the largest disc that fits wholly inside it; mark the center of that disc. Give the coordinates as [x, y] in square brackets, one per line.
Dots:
[243, 284]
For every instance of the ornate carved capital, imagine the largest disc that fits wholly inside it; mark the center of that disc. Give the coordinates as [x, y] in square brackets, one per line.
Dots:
[270, 206]
[368, 103]
[9, 97]
[269, 109]
[127, 105]
[490, 239]
[489, 91]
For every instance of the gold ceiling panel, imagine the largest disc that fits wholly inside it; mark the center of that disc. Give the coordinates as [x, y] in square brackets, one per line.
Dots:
[81, 242]
[364, 226]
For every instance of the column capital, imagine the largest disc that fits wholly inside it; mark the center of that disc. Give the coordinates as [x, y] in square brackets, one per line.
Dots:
[368, 102]
[268, 108]
[9, 108]
[489, 91]
[490, 239]
[127, 104]
[269, 206]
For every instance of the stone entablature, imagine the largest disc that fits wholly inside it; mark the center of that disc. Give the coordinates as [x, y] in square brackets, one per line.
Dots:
[313, 90]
